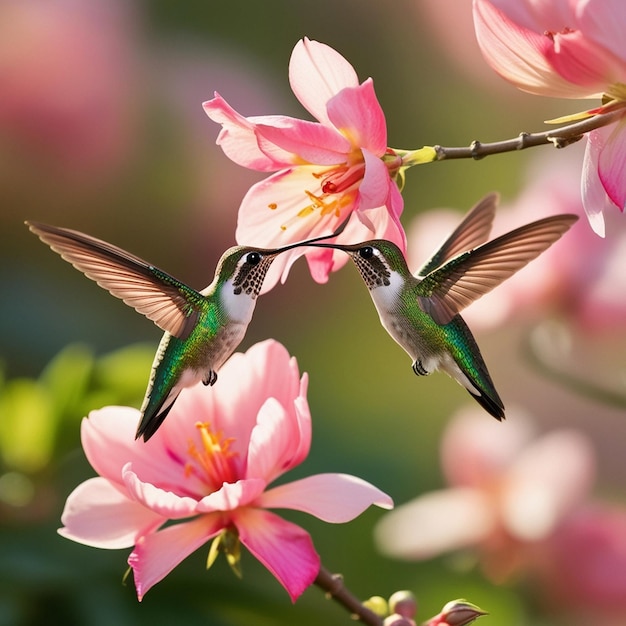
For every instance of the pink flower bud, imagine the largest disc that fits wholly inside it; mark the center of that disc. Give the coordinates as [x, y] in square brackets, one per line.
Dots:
[403, 603]
[456, 613]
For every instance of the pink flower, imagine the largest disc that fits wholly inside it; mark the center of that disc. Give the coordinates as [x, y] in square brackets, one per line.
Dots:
[584, 566]
[567, 49]
[208, 470]
[508, 492]
[325, 171]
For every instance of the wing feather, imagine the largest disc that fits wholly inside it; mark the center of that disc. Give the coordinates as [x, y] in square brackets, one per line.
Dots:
[170, 304]
[446, 291]
[470, 233]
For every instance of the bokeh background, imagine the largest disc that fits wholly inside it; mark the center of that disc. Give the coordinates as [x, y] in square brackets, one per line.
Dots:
[102, 130]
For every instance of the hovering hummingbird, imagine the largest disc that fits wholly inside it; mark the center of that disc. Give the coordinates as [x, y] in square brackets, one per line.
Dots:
[202, 328]
[421, 312]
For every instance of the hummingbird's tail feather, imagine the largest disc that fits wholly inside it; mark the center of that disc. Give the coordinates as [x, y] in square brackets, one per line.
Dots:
[466, 365]
[151, 420]
[493, 406]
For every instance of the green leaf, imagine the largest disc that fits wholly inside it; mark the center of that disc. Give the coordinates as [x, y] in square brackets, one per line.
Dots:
[125, 372]
[67, 378]
[28, 425]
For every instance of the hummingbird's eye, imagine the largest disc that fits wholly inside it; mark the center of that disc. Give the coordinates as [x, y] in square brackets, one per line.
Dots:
[253, 258]
[367, 252]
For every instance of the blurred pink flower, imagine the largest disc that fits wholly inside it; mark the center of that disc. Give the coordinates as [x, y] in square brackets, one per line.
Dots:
[508, 493]
[579, 279]
[325, 171]
[208, 470]
[67, 78]
[584, 565]
[567, 49]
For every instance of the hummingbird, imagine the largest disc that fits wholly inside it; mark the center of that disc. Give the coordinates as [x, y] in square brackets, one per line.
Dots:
[202, 328]
[421, 312]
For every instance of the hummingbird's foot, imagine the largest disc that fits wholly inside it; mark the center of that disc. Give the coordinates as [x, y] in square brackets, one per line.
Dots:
[210, 378]
[418, 368]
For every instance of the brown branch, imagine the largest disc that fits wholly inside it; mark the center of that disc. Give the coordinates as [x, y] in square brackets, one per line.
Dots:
[558, 137]
[332, 585]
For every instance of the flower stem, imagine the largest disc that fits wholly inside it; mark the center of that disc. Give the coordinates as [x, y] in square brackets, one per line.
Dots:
[559, 138]
[333, 586]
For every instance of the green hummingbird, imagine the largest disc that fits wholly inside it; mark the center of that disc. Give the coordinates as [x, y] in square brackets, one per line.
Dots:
[421, 312]
[202, 328]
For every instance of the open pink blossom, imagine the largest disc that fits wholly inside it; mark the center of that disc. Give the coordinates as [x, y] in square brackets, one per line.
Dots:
[508, 493]
[567, 49]
[324, 172]
[205, 475]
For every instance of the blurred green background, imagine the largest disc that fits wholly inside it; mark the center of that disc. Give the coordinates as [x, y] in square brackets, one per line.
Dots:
[102, 130]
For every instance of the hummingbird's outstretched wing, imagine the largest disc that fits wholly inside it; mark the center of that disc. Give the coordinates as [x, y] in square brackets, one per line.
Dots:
[470, 233]
[446, 291]
[170, 304]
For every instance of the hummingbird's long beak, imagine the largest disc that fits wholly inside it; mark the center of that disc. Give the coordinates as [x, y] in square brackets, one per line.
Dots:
[334, 246]
[311, 242]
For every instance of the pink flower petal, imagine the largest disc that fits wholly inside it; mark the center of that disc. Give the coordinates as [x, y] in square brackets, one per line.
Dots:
[612, 162]
[303, 424]
[108, 438]
[162, 502]
[271, 444]
[279, 442]
[581, 62]
[237, 137]
[586, 561]
[98, 514]
[308, 141]
[539, 15]
[323, 262]
[232, 495]
[476, 452]
[395, 231]
[284, 548]
[602, 21]
[595, 198]
[336, 498]
[357, 114]
[519, 55]
[436, 522]
[316, 74]
[157, 554]
[374, 189]
[548, 479]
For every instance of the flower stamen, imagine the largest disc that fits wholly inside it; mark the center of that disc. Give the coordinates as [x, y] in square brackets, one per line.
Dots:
[566, 30]
[212, 462]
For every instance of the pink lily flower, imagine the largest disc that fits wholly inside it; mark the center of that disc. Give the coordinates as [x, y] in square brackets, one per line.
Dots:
[207, 470]
[567, 49]
[325, 171]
